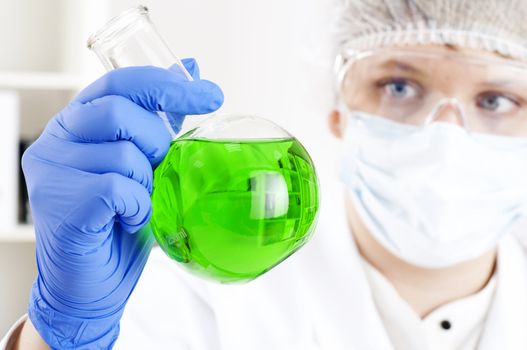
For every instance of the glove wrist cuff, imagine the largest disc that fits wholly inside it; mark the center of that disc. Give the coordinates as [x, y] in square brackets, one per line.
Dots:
[61, 331]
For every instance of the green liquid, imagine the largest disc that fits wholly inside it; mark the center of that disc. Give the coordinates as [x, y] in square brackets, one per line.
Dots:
[232, 210]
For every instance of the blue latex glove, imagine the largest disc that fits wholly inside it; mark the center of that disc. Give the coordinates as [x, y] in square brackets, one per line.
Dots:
[176, 120]
[89, 177]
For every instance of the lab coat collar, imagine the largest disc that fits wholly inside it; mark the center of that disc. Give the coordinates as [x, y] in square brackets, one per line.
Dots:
[507, 318]
[504, 328]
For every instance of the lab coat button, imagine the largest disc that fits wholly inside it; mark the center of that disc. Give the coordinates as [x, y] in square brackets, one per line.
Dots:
[446, 325]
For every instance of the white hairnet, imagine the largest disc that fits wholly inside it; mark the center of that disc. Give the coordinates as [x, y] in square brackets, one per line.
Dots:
[493, 25]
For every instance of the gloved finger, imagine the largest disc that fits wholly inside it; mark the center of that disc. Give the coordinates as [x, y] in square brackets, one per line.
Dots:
[175, 121]
[192, 67]
[121, 157]
[114, 118]
[156, 89]
[111, 197]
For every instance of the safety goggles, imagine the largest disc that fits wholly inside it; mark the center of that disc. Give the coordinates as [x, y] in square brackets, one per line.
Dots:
[483, 94]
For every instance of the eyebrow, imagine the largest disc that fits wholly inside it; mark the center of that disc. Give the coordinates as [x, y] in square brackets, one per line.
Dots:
[406, 67]
[503, 84]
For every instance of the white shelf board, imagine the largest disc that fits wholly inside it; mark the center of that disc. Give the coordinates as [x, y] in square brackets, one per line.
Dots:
[18, 234]
[41, 80]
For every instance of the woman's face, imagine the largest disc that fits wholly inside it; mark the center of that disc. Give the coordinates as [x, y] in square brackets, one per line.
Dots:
[407, 86]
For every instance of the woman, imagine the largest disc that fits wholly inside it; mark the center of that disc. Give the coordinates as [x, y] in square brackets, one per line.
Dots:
[432, 111]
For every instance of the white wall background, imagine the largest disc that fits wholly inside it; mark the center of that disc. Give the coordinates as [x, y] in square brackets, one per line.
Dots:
[268, 56]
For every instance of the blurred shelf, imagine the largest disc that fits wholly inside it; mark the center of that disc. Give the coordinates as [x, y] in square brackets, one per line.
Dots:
[20, 234]
[41, 80]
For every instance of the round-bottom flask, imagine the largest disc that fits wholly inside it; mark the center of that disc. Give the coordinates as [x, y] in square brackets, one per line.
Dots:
[233, 198]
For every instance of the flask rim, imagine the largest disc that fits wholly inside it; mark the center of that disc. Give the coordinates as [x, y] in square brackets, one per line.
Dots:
[116, 26]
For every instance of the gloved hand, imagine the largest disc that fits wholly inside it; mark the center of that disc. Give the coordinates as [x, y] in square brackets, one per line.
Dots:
[89, 177]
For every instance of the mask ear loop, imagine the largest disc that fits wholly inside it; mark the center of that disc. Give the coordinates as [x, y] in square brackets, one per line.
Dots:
[442, 104]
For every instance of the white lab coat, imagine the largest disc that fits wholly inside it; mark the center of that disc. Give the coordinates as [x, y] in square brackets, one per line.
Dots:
[317, 299]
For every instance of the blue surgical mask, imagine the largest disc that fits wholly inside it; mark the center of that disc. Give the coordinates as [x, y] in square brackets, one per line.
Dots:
[434, 196]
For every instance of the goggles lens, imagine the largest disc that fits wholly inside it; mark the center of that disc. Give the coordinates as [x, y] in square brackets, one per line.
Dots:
[483, 95]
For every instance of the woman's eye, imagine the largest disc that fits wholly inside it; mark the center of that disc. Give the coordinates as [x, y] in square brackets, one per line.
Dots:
[399, 89]
[496, 103]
